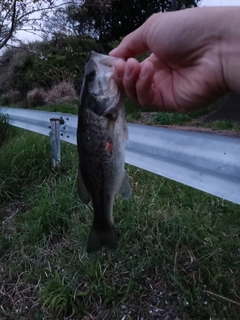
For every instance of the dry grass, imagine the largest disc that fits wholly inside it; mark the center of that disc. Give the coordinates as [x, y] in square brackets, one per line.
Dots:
[36, 97]
[61, 92]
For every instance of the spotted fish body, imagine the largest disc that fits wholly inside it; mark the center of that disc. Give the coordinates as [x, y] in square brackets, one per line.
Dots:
[101, 135]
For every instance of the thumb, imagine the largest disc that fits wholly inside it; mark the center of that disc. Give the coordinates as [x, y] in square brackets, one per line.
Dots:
[133, 44]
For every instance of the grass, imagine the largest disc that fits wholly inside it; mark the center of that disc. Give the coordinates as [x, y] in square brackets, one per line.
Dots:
[172, 118]
[65, 107]
[152, 116]
[224, 125]
[178, 253]
[5, 131]
[190, 119]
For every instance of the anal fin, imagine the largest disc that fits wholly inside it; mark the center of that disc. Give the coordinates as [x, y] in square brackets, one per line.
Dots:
[82, 190]
[125, 190]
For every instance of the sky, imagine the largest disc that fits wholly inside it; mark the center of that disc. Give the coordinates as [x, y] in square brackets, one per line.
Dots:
[220, 3]
[24, 36]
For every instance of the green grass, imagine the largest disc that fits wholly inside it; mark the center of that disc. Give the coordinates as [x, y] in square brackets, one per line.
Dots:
[224, 125]
[154, 117]
[193, 118]
[172, 118]
[65, 107]
[5, 131]
[150, 116]
[178, 252]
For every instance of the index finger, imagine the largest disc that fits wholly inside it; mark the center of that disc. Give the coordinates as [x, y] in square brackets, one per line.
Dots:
[133, 44]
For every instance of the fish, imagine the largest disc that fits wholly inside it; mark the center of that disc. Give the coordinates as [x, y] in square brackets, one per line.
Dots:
[101, 136]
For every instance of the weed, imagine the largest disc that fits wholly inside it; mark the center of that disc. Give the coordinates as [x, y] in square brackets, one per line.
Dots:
[178, 253]
[4, 129]
[5, 100]
[25, 160]
[36, 97]
[151, 116]
[61, 297]
[132, 112]
[65, 107]
[165, 118]
[61, 92]
[221, 125]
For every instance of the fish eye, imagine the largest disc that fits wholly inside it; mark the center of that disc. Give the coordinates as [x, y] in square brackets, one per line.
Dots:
[91, 74]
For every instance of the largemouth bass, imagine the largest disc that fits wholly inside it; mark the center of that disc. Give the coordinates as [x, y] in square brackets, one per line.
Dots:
[101, 135]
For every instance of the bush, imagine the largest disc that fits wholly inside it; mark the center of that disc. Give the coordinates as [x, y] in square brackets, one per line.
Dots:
[63, 91]
[5, 99]
[48, 63]
[36, 97]
[10, 97]
[168, 118]
[4, 129]
[9, 60]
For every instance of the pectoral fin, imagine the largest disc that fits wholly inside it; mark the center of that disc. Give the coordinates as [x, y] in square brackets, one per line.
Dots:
[82, 190]
[125, 190]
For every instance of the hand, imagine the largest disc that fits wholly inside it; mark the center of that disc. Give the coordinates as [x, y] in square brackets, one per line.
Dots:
[193, 55]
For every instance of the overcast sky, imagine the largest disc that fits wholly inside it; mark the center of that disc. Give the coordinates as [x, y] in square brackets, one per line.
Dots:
[29, 37]
[220, 3]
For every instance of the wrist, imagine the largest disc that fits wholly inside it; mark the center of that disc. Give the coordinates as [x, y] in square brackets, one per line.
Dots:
[230, 49]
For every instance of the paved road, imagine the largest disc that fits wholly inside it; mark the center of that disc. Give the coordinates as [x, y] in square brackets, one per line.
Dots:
[228, 109]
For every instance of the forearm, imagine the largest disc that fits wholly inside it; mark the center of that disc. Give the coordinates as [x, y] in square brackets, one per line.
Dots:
[230, 48]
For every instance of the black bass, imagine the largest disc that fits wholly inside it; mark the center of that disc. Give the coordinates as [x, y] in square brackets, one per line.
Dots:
[101, 135]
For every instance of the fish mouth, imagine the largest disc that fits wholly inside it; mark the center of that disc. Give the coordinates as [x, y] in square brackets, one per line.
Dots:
[99, 64]
[99, 85]
[103, 59]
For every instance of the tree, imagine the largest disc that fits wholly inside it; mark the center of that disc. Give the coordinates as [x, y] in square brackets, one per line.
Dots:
[109, 20]
[16, 15]
[127, 15]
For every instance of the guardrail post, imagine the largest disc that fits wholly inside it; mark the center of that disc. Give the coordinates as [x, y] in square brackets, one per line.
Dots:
[55, 142]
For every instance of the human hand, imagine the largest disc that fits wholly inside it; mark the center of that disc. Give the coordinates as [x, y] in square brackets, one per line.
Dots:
[192, 60]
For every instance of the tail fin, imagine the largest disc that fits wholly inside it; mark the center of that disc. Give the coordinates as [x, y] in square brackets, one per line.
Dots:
[102, 238]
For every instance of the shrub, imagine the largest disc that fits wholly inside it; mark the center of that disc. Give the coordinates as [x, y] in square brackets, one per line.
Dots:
[47, 63]
[5, 99]
[9, 60]
[10, 97]
[61, 92]
[168, 118]
[4, 129]
[36, 97]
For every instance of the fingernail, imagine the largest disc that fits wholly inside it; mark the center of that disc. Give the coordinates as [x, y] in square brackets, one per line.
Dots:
[144, 70]
[142, 74]
[129, 70]
[116, 73]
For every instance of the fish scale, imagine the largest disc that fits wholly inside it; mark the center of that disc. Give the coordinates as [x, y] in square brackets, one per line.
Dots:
[101, 135]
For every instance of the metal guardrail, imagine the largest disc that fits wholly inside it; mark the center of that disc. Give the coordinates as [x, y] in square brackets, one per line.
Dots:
[39, 122]
[207, 162]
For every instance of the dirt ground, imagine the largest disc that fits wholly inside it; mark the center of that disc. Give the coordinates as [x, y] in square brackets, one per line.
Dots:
[228, 109]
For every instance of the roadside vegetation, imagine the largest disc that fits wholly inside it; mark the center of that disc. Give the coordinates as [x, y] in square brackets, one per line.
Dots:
[178, 254]
[179, 249]
[194, 119]
[4, 129]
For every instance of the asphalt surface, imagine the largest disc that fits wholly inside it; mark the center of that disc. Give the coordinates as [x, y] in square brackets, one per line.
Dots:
[228, 109]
